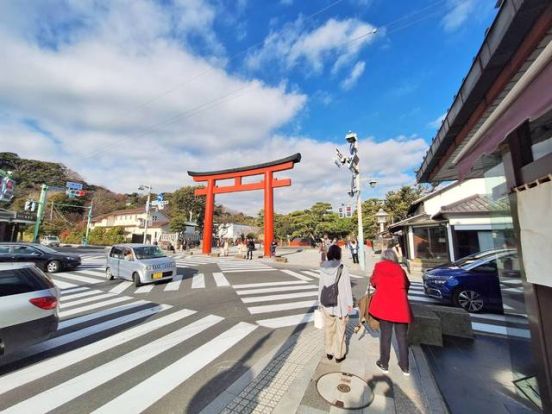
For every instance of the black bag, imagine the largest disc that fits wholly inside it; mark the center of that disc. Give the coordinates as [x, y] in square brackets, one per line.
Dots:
[328, 296]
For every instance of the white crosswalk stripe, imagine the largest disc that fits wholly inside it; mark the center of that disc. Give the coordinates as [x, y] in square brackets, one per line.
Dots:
[221, 335]
[198, 281]
[154, 388]
[174, 285]
[220, 280]
[486, 323]
[73, 277]
[145, 288]
[287, 296]
[296, 274]
[121, 287]
[75, 311]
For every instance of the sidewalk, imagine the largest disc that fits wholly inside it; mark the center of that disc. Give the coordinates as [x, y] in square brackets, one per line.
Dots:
[284, 381]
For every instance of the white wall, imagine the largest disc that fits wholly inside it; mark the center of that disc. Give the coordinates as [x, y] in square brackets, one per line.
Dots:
[464, 190]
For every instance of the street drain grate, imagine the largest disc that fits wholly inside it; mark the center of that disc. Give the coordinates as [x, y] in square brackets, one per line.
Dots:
[344, 390]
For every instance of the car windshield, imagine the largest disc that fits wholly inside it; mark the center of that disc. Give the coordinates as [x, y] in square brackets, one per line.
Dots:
[148, 252]
[472, 258]
[46, 249]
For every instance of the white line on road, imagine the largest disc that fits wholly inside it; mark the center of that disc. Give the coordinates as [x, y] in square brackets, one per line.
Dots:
[100, 314]
[121, 287]
[67, 298]
[100, 273]
[295, 274]
[102, 296]
[267, 284]
[313, 274]
[69, 390]
[70, 312]
[71, 290]
[275, 289]
[48, 366]
[198, 281]
[269, 269]
[78, 278]
[282, 306]
[174, 284]
[63, 285]
[78, 335]
[220, 280]
[287, 320]
[143, 395]
[279, 297]
[145, 289]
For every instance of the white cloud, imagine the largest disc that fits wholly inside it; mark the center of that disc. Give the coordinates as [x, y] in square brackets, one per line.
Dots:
[353, 77]
[122, 102]
[458, 14]
[436, 123]
[337, 41]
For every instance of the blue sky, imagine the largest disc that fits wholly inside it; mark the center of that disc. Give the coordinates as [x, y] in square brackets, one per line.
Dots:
[149, 89]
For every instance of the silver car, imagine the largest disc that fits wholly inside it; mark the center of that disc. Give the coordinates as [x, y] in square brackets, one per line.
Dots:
[141, 263]
[29, 304]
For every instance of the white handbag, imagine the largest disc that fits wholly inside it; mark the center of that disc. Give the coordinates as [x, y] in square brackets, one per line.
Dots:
[318, 319]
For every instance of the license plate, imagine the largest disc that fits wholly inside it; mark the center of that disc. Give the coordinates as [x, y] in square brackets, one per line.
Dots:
[157, 275]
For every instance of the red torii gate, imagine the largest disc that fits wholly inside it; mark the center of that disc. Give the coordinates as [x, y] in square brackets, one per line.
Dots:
[268, 183]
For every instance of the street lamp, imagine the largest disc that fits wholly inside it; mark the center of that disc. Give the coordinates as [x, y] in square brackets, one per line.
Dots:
[353, 163]
[143, 187]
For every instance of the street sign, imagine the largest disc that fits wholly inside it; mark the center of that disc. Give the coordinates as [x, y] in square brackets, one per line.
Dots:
[73, 186]
[25, 215]
[159, 204]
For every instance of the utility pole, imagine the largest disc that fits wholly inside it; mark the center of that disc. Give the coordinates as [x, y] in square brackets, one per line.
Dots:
[40, 211]
[88, 224]
[142, 187]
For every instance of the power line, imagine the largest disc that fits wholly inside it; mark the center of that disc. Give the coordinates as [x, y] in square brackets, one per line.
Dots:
[236, 93]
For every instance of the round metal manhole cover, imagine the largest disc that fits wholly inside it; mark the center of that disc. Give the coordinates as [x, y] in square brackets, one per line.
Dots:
[344, 390]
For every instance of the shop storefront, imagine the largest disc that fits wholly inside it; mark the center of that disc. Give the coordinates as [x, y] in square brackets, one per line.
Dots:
[500, 128]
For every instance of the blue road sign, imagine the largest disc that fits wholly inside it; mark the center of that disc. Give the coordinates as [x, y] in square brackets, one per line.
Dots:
[73, 186]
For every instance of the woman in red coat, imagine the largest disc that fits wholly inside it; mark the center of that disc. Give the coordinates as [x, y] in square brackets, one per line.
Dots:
[390, 306]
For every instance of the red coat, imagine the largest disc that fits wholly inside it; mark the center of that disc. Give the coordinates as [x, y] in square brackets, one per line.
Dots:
[390, 301]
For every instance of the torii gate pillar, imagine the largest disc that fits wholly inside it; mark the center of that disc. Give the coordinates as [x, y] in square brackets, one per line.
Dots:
[267, 184]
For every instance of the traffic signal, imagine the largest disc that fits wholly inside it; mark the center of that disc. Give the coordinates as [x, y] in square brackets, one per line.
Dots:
[28, 205]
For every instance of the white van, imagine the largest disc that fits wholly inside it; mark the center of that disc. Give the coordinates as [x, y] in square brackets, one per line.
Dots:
[140, 263]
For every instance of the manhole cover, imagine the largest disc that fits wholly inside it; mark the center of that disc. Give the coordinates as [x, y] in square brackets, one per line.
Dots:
[344, 390]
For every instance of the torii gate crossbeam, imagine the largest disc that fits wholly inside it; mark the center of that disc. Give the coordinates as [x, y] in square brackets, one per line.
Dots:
[268, 183]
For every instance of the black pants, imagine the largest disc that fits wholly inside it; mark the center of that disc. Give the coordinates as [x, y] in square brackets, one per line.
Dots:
[355, 257]
[249, 254]
[385, 342]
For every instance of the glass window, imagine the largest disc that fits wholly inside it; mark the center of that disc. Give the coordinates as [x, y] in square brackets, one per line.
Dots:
[430, 242]
[115, 252]
[16, 281]
[4, 249]
[25, 250]
[541, 136]
[148, 252]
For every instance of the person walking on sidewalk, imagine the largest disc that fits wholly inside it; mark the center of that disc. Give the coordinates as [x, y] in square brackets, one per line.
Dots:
[336, 317]
[391, 307]
[250, 248]
[353, 246]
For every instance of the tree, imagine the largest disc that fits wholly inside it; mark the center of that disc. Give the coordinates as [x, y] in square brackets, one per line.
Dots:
[397, 202]
[181, 202]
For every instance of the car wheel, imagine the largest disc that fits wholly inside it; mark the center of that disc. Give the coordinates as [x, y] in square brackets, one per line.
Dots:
[136, 279]
[53, 266]
[470, 300]
[108, 274]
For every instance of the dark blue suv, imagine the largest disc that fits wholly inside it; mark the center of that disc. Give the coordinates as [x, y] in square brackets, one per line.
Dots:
[472, 282]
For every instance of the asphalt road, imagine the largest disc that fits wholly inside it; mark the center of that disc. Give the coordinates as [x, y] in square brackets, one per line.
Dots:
[163, 348]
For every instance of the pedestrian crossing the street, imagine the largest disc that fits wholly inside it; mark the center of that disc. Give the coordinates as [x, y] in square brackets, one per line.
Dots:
[512, 325]
[93, 349]
[287, 303]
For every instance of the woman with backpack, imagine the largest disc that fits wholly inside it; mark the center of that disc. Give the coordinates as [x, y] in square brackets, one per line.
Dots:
[335, 304]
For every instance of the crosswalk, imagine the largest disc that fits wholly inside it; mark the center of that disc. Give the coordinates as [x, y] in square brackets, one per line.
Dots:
[67, 280]
[288, 303]
[512, 325]
[93, 348]
[92, 260]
